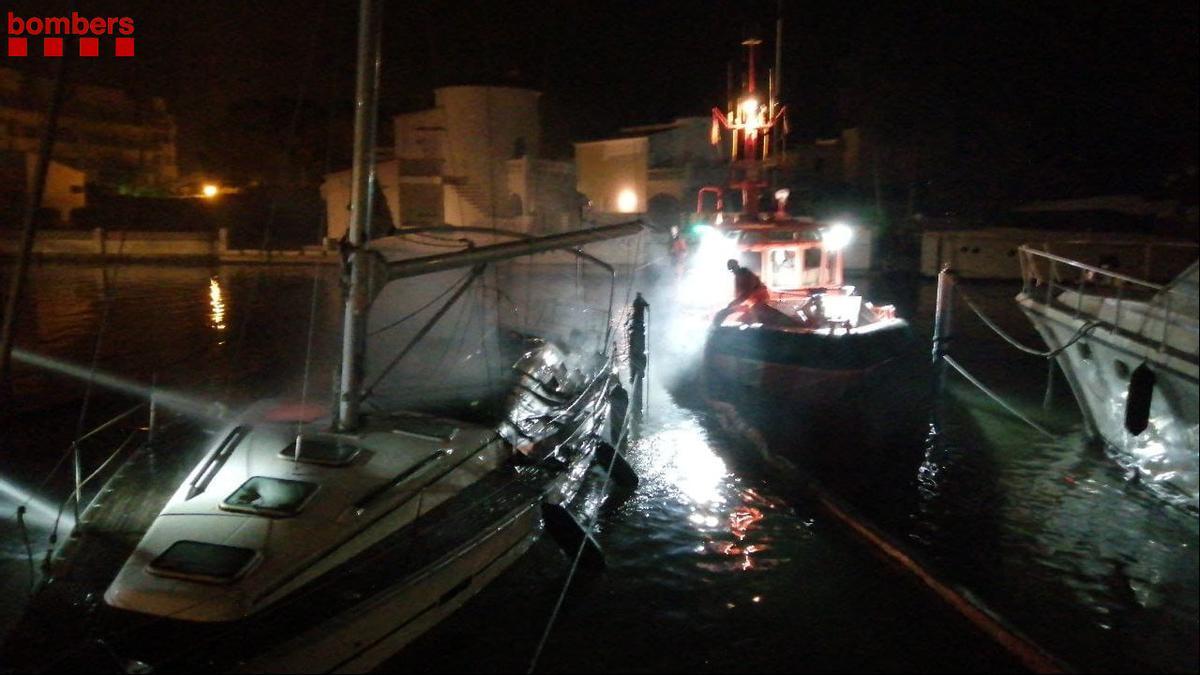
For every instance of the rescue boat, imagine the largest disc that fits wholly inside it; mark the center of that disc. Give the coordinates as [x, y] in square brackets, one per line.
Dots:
[811, 355]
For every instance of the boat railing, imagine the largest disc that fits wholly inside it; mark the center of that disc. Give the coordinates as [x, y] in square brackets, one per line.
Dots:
[1118, 301]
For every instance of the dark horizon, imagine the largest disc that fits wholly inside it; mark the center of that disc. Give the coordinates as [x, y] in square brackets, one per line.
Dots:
[1072, 98]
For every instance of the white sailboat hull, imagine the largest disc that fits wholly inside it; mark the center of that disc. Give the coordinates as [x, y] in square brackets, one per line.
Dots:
[359, 640]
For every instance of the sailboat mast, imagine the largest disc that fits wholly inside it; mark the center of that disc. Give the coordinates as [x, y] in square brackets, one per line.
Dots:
[354, 325]
[778, 94]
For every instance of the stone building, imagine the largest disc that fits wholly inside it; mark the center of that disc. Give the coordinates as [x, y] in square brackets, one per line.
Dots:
[654, 168]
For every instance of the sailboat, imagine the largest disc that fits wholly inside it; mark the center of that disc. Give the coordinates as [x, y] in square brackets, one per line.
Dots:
[306, 540]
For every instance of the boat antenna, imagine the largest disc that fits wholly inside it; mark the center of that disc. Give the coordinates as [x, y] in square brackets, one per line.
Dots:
[777, 95]
[357, 300]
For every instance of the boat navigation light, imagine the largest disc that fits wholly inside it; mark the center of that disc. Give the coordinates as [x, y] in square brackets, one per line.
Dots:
[837, 236]
[751, 120]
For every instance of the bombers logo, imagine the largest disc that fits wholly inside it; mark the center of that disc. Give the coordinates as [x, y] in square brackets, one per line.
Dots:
[54, 33]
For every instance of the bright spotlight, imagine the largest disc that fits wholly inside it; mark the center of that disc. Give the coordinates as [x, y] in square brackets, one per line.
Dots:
[209, 190]
[708, 283]
[837, 236]
[627, 201]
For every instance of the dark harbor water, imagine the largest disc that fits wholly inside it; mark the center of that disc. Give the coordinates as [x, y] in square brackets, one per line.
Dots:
[719, 561]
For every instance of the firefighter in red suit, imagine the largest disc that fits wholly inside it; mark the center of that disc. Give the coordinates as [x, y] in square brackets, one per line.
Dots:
[747, 287]
[748, 290]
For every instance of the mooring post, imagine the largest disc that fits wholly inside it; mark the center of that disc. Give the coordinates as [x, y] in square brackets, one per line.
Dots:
[943, 318]
[639, 362]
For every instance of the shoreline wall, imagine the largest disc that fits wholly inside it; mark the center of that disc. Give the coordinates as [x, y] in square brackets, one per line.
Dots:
[133, 245]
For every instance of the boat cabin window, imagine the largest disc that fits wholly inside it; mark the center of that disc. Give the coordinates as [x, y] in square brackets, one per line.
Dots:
[317, 450]
[200, 561]
[277, 497]
[781, 268]
[421, 426]
[811, 274]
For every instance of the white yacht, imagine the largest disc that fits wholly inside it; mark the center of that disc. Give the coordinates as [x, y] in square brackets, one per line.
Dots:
[1134, 363]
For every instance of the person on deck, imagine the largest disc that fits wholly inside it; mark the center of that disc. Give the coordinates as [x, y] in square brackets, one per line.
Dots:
[679, 252]
[748, 289]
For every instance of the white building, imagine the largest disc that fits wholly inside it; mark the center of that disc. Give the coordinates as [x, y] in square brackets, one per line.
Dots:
[471, 160]
[64, 191]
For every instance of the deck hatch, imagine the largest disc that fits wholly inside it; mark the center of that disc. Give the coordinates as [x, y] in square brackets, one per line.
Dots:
[277, 497]
[325, 451]
[201, 561]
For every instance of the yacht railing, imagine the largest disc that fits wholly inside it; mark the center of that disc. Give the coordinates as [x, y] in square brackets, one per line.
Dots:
[1051, 277]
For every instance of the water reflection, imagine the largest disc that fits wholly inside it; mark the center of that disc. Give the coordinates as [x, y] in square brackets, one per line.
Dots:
[683, 463]
[216, 302]
[680, 456]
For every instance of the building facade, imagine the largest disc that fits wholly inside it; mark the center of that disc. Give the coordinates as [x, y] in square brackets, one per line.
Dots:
[471, 160]
[655, 169]
[122, 143]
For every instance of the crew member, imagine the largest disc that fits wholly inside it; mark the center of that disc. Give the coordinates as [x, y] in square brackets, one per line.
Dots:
[747, 287]
[679, 251]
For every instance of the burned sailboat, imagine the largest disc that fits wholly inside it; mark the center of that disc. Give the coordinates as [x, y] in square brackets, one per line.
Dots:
[304, 541]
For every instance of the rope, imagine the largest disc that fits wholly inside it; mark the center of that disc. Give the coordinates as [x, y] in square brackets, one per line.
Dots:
[474, 273]
[562, 596]
[1030, 654]
[289, 143]
[422, 308]
[1078, 335]
[970, 378]
[312, 322]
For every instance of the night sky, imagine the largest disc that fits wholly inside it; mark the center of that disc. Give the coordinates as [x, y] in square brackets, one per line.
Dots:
[1050, 97]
